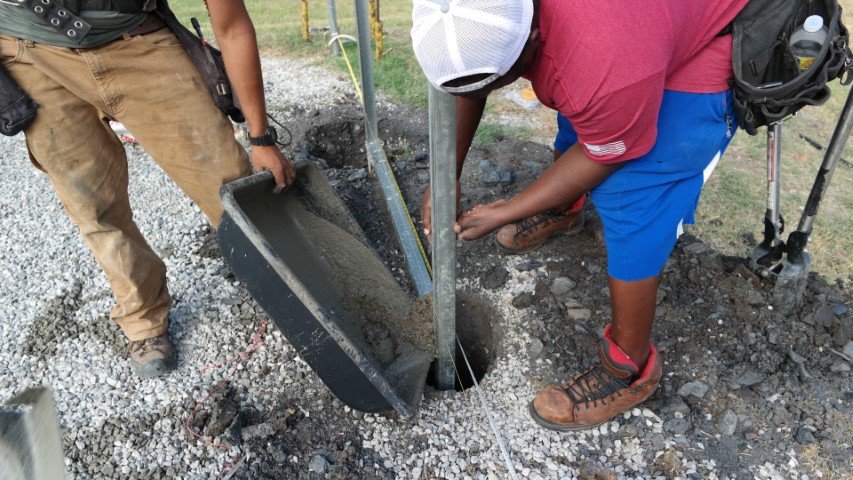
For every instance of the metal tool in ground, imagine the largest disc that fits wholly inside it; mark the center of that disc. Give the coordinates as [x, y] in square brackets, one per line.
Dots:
[768, 255]
[789, 261]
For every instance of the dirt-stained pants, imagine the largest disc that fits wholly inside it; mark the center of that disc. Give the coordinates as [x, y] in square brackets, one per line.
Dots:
[148, 83]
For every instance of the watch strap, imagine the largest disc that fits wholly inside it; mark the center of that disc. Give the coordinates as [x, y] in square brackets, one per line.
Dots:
[267, 139]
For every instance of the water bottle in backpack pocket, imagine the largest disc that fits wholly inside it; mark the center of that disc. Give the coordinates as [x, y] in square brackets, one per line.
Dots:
[807, 40]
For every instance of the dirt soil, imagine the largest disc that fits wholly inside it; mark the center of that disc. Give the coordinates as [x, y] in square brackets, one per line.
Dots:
[743, 382]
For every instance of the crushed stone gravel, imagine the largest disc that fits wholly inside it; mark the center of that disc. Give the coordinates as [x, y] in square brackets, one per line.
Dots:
[281, 422]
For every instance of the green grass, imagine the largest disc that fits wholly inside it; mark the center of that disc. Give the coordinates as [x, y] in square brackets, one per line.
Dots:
[733, 204]
[490, 133]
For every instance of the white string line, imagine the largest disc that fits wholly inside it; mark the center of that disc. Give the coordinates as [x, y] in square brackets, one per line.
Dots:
[488, 413]
[480, 394]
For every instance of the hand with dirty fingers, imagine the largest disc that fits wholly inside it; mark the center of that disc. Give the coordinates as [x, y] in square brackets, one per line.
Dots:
[272, 159]
[426, 209]
[482, 220]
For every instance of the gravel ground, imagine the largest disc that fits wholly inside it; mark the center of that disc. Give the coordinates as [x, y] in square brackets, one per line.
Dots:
[281, 421]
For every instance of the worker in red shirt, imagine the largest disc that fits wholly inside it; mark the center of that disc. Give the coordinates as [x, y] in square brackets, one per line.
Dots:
[646, 114]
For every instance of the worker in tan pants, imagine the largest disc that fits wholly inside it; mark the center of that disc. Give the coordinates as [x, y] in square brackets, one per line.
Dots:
[145, 80]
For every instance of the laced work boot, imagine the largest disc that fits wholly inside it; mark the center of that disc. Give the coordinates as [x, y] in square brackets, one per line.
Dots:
[152, 357]
[530, 233]
[595, 396]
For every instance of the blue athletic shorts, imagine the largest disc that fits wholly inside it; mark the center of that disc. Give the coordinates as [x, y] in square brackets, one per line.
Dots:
[644, 205]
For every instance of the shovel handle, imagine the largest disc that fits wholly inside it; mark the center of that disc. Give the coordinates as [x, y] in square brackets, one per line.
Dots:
[799, 238]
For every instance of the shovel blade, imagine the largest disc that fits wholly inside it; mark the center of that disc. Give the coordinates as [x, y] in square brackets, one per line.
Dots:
[791, 284]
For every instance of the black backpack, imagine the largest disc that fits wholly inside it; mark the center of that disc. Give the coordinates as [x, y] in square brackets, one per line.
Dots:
[768, 84]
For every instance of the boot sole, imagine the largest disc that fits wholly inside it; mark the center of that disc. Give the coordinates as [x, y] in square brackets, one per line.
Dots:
[508, 251]
[155, 368]
[560, 427]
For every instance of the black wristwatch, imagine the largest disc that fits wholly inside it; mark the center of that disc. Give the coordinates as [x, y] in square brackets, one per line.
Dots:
[268, 138]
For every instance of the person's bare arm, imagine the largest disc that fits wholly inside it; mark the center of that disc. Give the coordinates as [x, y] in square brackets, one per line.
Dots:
[572, 175]
[235, 35]
[468, 114]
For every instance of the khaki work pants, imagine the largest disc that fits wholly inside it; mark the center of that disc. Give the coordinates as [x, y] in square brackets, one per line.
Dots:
[149, 84]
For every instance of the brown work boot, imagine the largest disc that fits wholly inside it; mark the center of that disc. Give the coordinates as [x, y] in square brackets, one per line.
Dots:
[532, 232]
[152, 357]
[595, 396]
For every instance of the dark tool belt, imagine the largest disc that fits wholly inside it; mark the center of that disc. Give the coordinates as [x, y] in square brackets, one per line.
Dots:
[17, 109]
[151, 24]
[121, 6]
[207, 60]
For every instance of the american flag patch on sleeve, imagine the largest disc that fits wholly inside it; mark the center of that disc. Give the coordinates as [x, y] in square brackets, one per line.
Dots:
[612, 148]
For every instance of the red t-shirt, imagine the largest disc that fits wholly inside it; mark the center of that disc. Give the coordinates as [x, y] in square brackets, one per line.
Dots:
[605, 64]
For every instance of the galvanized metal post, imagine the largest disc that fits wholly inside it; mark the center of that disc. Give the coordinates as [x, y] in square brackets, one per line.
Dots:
[442, 168]
[774, 184]
[333, 28]
[365, 61]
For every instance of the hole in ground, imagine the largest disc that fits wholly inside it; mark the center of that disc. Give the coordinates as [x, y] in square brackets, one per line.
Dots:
[340, 143]
[479, 339]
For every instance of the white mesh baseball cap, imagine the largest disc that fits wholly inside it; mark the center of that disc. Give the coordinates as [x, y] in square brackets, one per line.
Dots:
[457, 38]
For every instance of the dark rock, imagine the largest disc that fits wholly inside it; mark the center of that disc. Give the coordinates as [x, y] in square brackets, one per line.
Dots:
[491, 174]
[658, 442]
[536, 347]
[495, 277]
[824, 317]
[318, 464]
[804, 436]
[695, 388]
[748, 378]
[675, 405]
[727, 423]
[839, 366]
[357, 175]
[561, 286]
[676, 426]
[697, 248]
[842, 332]
[522, 300]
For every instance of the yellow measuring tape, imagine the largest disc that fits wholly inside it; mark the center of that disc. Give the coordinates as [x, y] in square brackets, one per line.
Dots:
[375, 135]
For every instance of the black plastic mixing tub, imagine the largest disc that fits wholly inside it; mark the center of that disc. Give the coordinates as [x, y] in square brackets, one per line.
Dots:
[307, 263]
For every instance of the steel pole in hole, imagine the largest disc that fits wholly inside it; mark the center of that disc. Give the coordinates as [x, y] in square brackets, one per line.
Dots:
[442, 169]
[333, 27]
[365, 62]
